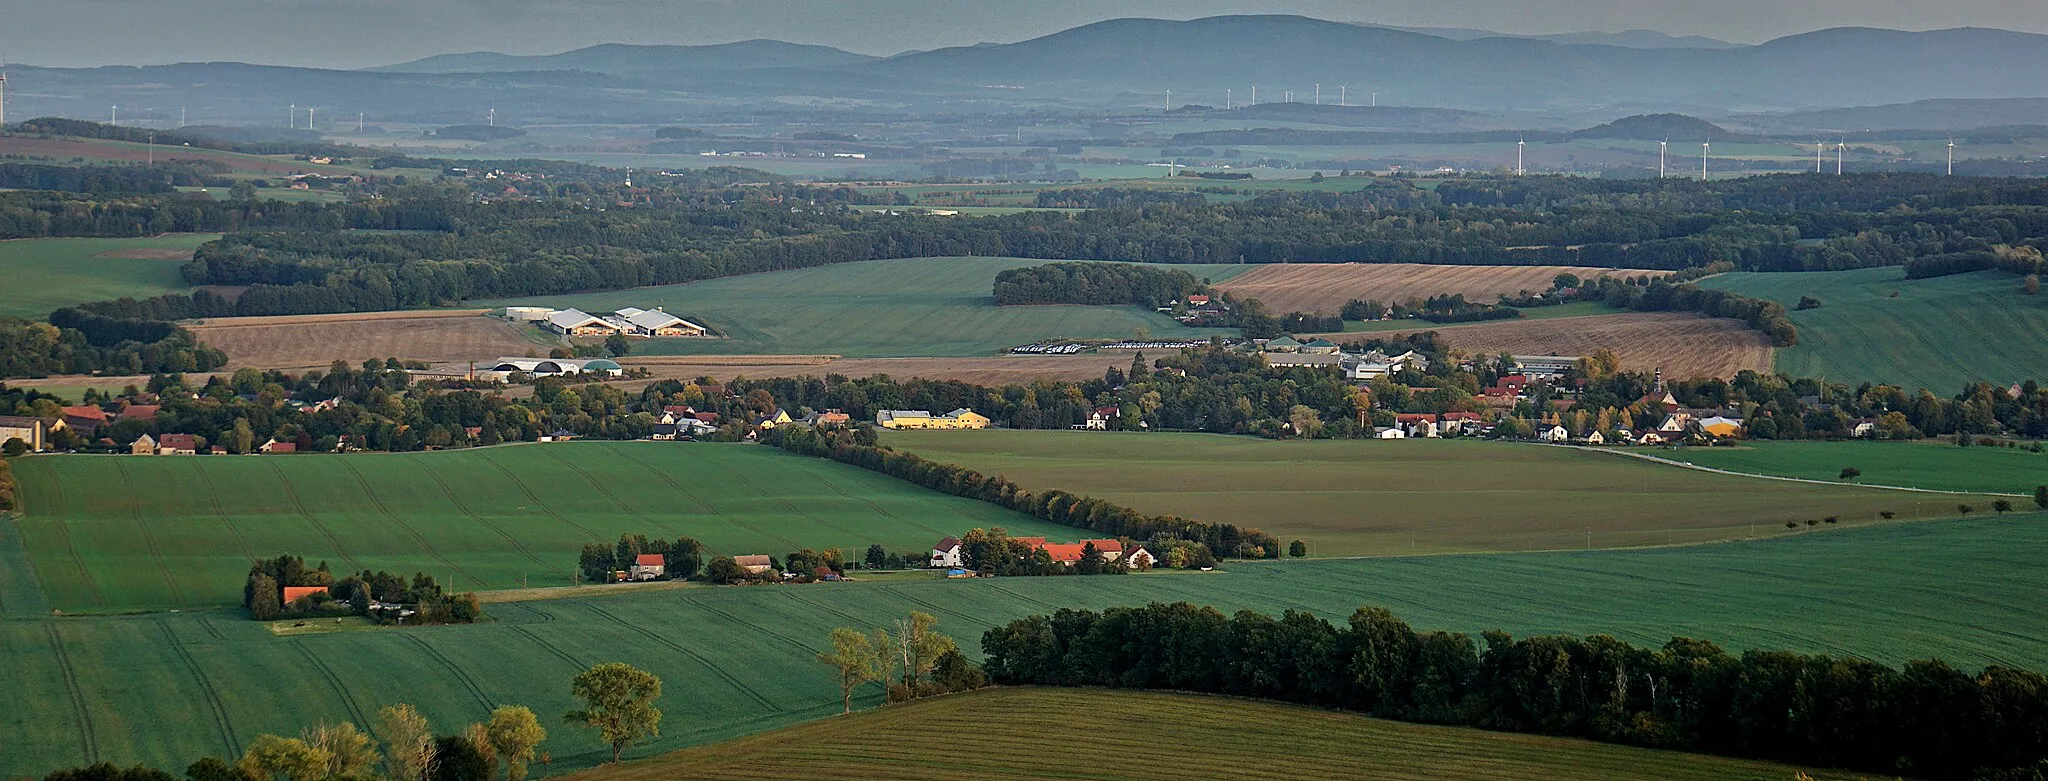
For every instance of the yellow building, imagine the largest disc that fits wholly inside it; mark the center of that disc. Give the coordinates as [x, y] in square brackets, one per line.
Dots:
[962, 418]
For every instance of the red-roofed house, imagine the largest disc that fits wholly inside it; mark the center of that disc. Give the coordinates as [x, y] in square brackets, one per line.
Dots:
[140, 411]
[1101, 418]
[1418, 425]
[1069, 553]
[296, 593]
[1509, 386]
[274, 446]
[648, 566]
[947, 553]
[177, 445]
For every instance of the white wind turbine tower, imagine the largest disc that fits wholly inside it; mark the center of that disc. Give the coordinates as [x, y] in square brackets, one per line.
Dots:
[1375, 97]
[1255, 94]
[491, 116]
[1951, 157]
[1663, 147]
[114, 116]
[1839, 146]
[1344, 95]
[1226, 99]
[3, 100]
[1520, 145]
[1169, 100]
[1704, 147]
[1319, 93]
[309, 118]
[291, 116]
[1818, 148]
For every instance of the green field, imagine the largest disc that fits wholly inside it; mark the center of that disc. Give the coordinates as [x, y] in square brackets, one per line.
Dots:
[937, 307]
[1148, 736]
[44, 275]
[164, 688]
[1365, 498]
[1939, 334]
[1930, 465]
[112, 533]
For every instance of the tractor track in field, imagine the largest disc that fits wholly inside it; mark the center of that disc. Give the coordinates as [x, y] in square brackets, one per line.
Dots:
[703, 604]
[590, 534]
[292, 494]
[149, 540]
[211, 629]
[550, 648]
[471, 514]
[714, 511]
[63, 530]
[823, 606]
[348, 701]
[935, 607]
[607, 493]
[371, 494]
[729, 678]
[623, 452]
[88, 738]
[213, 498]
[461, 675]
[1023, 598]
[836, 488]
[787, 504]
[206, 688]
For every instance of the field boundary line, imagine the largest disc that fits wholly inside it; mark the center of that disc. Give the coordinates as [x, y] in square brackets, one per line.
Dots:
[371, 494]
[822, 606]
[1782, 478]
[464, 508]
[293, 494]
[88, 738]
[729, 678]
[531, 496]
[460, 674]
[348, 700]
[155, 551]
[213, 698]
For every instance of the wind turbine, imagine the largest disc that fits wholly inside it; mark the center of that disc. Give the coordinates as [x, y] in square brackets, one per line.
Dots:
[114, 116]
[1520, 145]
[1663, 147]
[1319, 93]
[1255, 94]
[1169, 100]
[1951, 157]
[1818, 148]
[1839, 146]
[1344, 95]
[309, 118]
[1226, 99]
[1375, 97]
[291, 116]
[1704, 146]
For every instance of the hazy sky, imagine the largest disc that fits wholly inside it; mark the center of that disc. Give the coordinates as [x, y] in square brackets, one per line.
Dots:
[353, 33]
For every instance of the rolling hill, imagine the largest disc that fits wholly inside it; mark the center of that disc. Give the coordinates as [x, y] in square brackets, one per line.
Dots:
[624, 59]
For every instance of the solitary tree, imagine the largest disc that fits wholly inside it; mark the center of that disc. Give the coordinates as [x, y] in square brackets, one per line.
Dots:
[1851, 473]
[1297, 549]
[408, 742]
[1965, 509]
[857, 661]
[514, 733]
[619, 703]
[2001, 506]
[2041, 496]
[877, 556]
[617, 345]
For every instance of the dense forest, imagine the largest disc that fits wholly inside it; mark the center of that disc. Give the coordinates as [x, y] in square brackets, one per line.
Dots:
[1926, 719]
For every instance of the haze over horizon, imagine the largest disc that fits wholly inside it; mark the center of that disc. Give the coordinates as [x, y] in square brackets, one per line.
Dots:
[363, 33]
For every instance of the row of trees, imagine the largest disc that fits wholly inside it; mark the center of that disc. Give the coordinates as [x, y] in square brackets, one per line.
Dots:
[915, 661]
[1925, 719]
[1094, 283]
[30, 349]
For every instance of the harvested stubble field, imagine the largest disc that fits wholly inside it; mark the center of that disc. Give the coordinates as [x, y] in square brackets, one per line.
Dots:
[1166, 737]
[1324, 287]
[314, 341]
[739, 661]
[1681, 344]
[1370, 497]
[981, 371]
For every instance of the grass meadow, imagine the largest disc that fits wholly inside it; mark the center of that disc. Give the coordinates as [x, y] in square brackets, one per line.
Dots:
[1930, 465]
[1151, 736]
[44, 275]
[1374, 498]
[117, 533]
[1939, 334]
[164, 688]
[920, 307]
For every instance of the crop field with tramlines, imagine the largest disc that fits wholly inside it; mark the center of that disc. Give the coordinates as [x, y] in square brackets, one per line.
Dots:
[1930, 465]
[165, 688]
[44, 275]
[1325, 287]
[1680, 344]
[115, 533]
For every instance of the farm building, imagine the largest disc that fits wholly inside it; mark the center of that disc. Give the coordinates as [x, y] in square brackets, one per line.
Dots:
[962, 418]
[548, 367]
[29, 430]
[830, 417]
[1390, 432]
[754, 564]
[648, 566]
[1721, 427]
[653, 322]
[946, 553]
[1545, 366]
[576, 322]
[177, 445]
[1294, 359]
[144, 445]
[528, 314]
[274, 446]
[775, 417]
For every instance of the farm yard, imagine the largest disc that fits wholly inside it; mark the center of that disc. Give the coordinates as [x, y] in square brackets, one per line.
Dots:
[1681, 344]
[1021, 369]
[738, 661]
[926, 307]
[1930, 465]
[114, 533]
[1371, 498]
[1323, 288]
[1162, 737]
[1876, 326]
[315, 341]
[44, 275]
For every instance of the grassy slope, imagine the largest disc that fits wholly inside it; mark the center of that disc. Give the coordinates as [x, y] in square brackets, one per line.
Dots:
[43, 275]
[938, 307]
[116, 533]
[1905, 464]
[1146, 736]
[165, 688]
[1938, 334]
[1417, 496]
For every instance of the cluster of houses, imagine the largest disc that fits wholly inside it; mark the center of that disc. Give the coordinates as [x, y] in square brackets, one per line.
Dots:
[630, 321]
[1198, 310]
[1287, 352]
[901, 419]
[654, 566]
[947, 554]
[82, 421]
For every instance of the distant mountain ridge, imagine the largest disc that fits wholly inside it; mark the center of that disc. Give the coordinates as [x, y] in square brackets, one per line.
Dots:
[622, 58]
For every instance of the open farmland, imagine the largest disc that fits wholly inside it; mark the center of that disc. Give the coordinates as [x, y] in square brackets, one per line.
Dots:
[1323, 288]
[1929, 465]
[740, 660]
[1001, 370]
[876, 309]
[1360, 497]
[1161, 737]
[115, 533]
[307, 341]
[99, 150]
[44, 275]
[1682, 344]
[1876, 326]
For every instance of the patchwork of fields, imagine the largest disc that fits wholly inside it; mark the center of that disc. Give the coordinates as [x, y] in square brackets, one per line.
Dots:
[44, 275]
[1681, 344]
[1325, 287]
[927, 307]
[1368, 498]
[314, 341]
[113, 533]
[1876, 326]
[164, 688]
[1163, 737]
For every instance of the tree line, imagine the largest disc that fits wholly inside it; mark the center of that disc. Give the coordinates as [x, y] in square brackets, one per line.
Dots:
[1923, 719]
[31, 349]
[1095, 283]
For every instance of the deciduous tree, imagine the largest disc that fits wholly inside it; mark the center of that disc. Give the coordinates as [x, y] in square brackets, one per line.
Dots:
[856, 659]
[619, 703]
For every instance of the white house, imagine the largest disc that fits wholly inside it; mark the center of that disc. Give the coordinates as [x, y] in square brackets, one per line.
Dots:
[946, 554]
[1554, 434]
[1140, 559]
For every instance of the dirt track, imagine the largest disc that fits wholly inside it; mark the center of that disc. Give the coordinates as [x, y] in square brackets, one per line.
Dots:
[1683, 345]
[1323, 288]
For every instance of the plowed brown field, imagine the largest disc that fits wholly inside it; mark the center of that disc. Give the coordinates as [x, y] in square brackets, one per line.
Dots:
[1683, 345]
[309, 341]
[1324, 287]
